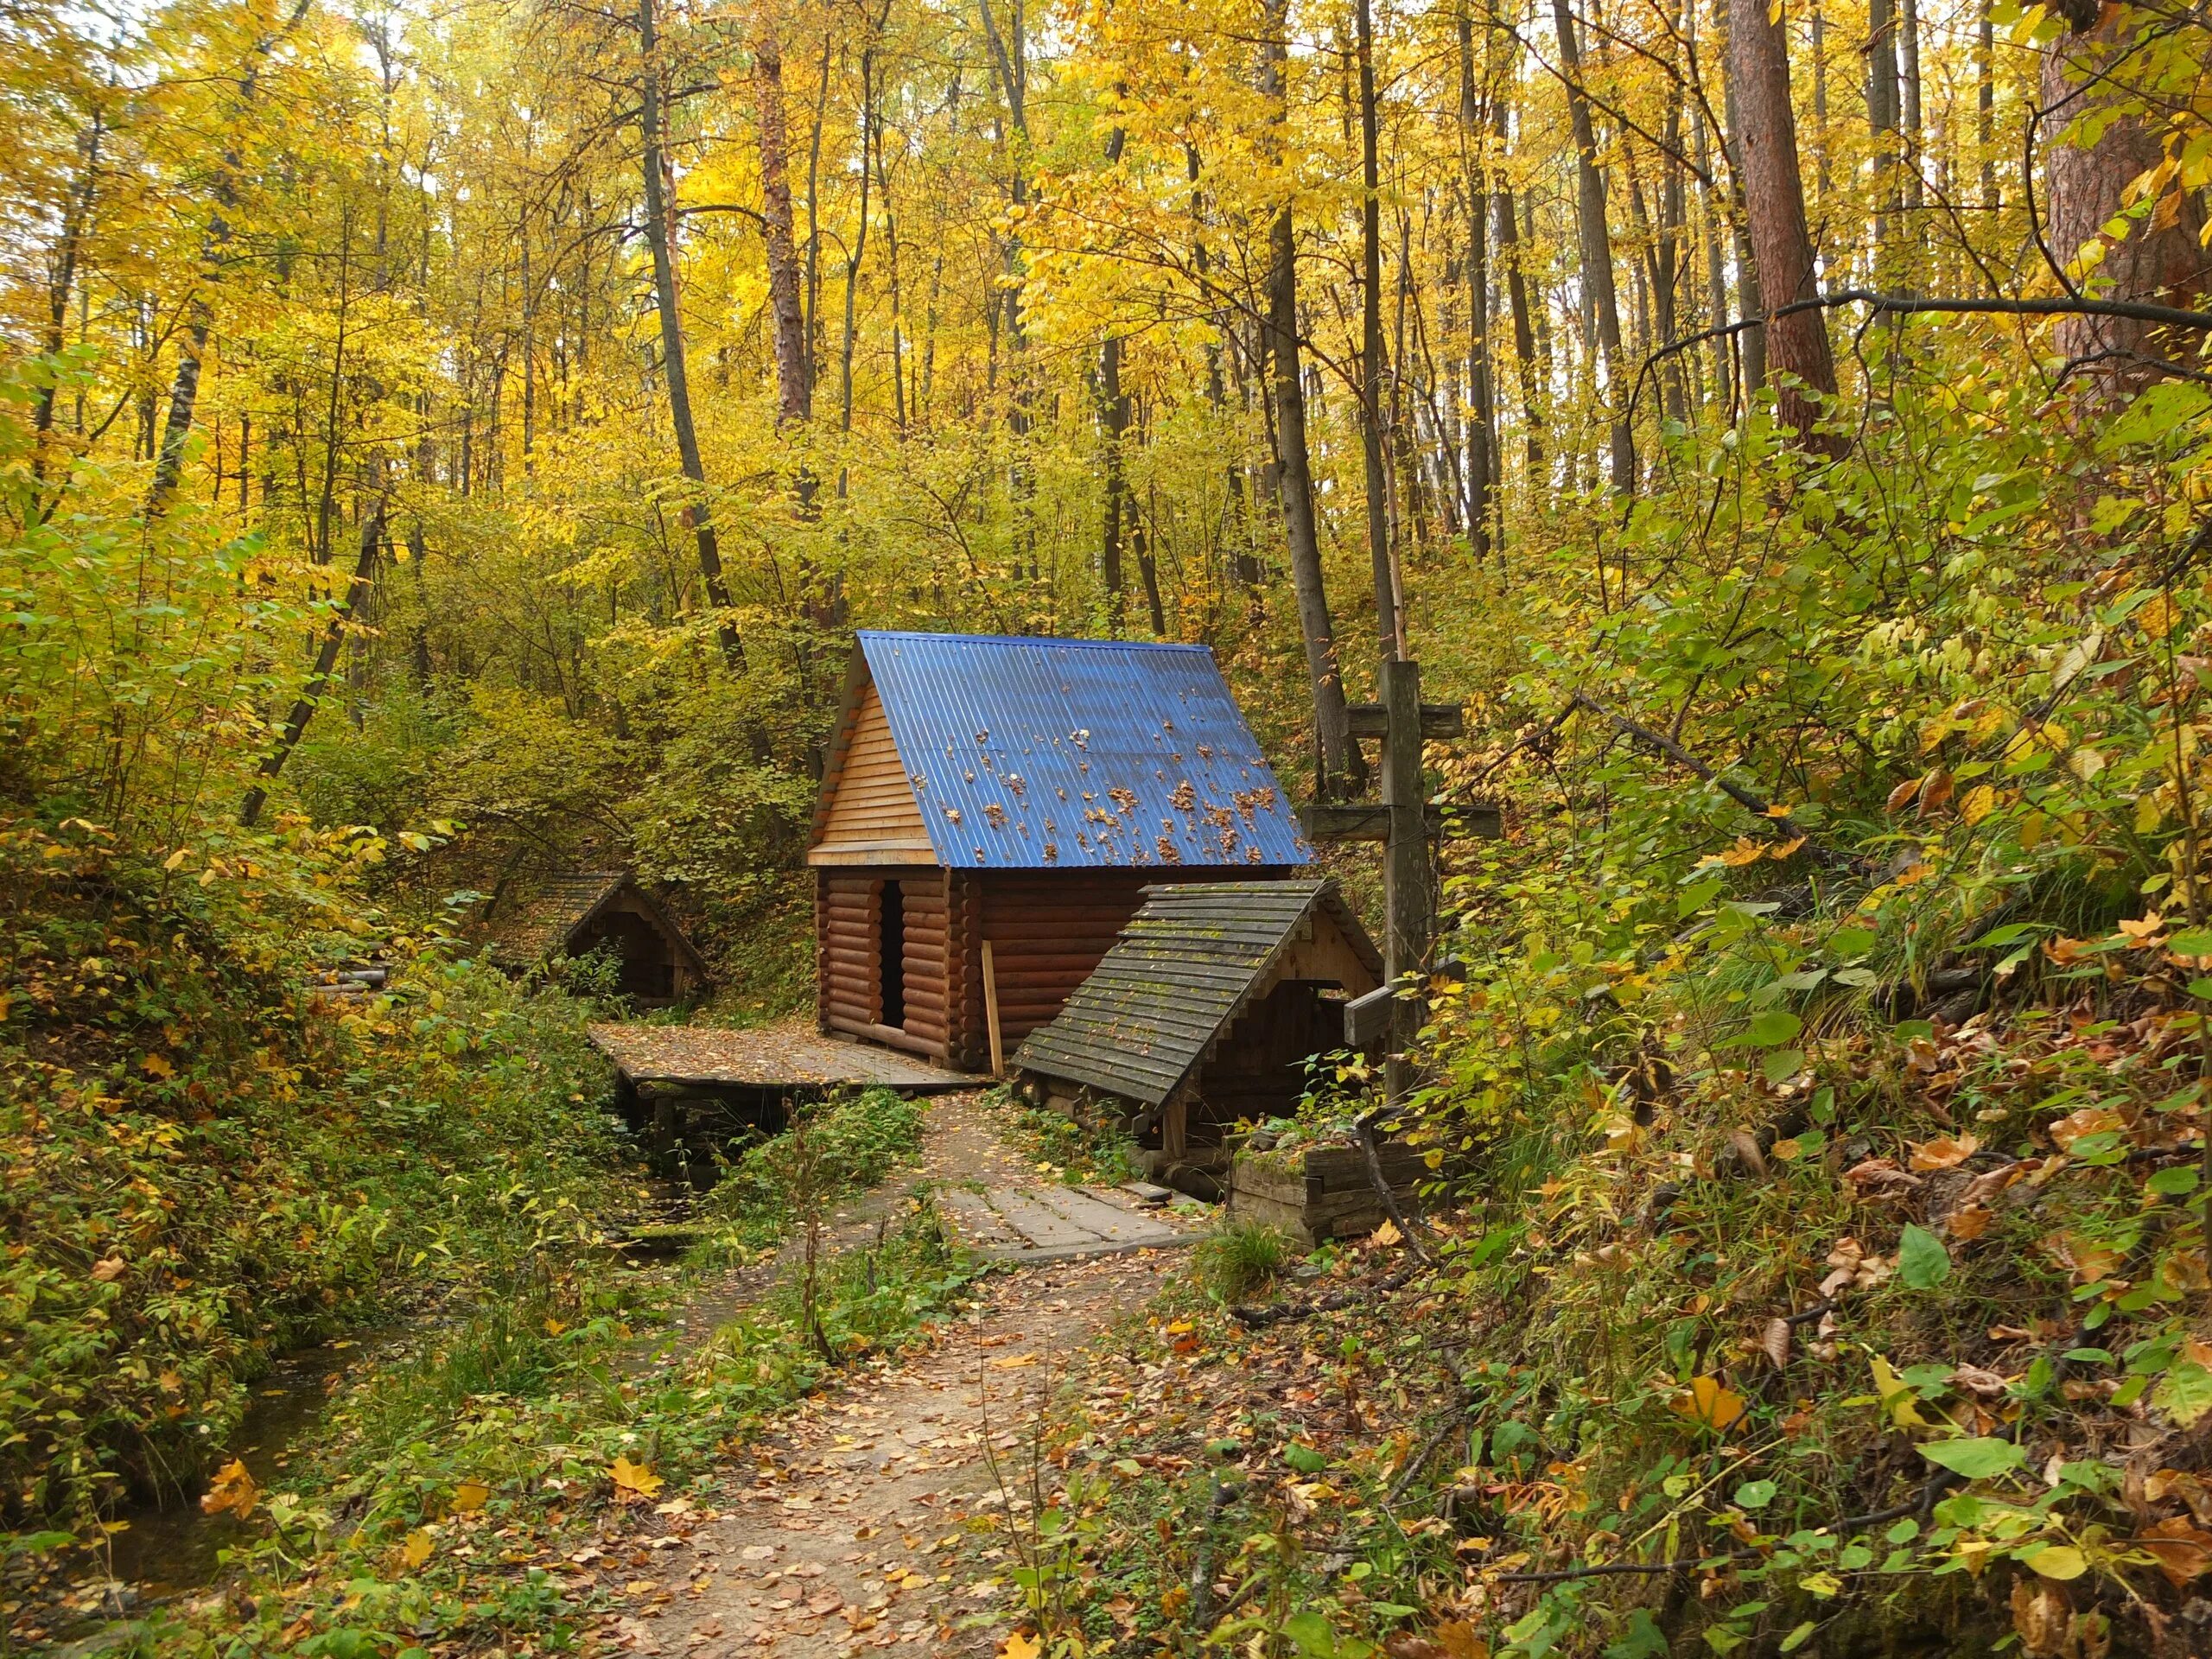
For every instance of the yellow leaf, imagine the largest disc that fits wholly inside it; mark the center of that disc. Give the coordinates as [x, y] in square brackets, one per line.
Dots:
[1017, 1360]
[1388, 1233]
[176, 859]
[1980, 802]
[634, 1480]
[2156, 619]
[1020, 1645]
[1786, 848]
[1711, 1402]
[469, 1495]
[233, 1491]
[416, 1550]
[157, 1066]
[1745, 851]
[1897, 1395]
[2060, 1562]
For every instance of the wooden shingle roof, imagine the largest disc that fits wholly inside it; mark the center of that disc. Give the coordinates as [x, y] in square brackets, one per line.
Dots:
[544, 919]
[1191, 960]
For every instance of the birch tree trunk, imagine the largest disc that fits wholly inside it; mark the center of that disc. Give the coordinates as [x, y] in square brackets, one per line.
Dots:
[1596, 250]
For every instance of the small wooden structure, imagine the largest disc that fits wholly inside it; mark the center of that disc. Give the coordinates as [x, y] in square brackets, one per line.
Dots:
[1206, 1010]
[574, 913]
[992, 812]
[1319, 1193]
[691, 1091]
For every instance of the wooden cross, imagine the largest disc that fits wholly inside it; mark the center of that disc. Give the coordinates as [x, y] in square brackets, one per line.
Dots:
[1402, 721]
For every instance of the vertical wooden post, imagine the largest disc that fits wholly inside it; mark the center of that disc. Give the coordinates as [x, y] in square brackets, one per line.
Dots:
[1405, 862]
[991, 1012]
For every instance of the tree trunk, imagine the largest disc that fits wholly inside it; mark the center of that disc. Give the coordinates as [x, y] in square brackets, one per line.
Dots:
[1596, 250]
[786, 319]
[654, 161]
[184, 390]
[1341, 763]
[1517, 293]
[1774, 203]
[2162, 258]
[1114, 411]
[1390, 622]
[1481, 448]
[326, 660]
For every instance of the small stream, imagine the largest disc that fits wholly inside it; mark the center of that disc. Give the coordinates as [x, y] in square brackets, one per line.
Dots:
[173, 1549]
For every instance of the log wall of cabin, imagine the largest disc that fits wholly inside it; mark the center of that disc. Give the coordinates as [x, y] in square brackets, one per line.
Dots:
[849, 962]
[1048, 929]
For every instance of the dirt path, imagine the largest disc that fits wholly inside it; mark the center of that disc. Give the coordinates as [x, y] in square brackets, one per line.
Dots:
[843, 1537]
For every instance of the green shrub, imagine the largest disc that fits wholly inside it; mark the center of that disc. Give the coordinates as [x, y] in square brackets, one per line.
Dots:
[1240, 1258]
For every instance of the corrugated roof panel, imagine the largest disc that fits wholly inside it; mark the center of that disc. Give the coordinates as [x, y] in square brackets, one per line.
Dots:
[1183, 969]
[1031, 753]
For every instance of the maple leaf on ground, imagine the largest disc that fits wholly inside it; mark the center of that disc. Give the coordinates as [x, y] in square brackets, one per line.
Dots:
[1020, 1645]
[1944, 1152]
[635, 1482]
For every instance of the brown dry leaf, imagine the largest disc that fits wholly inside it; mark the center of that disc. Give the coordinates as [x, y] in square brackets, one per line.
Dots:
[1944, 1152]
[1404, 1644]
[2039, 1615]
[108, 1269]
[1983, 1188]
[2087, 1261]
[1900, 797]
[1774, 1342]
[1747, 1148]
[1969, 1223]
[231, 1491]
[2089, 1120]
[828, 1602]
[2183, 1552]
[1876, 1179]
[1459, 1640]
[1934, 791]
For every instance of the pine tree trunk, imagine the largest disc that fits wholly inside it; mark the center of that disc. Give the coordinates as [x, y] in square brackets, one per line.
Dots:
[1774, 203]
[2161, 259]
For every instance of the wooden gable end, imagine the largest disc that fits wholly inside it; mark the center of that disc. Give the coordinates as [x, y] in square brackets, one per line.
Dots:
[871, 816]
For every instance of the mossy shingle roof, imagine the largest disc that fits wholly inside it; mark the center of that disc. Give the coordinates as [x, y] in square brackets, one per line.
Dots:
[1189, 963]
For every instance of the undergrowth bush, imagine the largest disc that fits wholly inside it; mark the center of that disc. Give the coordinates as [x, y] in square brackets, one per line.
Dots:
[211, 1162]
[1239, 1258]
[847, 1143]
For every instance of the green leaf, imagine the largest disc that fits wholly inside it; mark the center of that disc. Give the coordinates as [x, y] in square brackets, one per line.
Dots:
[1755, 1494]
[1798, 1637]
[1305, 1460]
[2173, 1183]
[2060, 1562]
[1923, 1262]
[1643, 1639]
[1782, 1064]
[1775, 1027]
[2196, 942]
[1848, 942]
[1311, 1635]
[1981, 1459]
[2184, 1394]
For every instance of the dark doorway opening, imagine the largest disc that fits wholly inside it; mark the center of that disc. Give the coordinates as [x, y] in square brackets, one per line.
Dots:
[648, 968]
[891, 953]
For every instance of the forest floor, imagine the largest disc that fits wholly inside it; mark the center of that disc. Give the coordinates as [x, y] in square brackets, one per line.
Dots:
[874, 1518]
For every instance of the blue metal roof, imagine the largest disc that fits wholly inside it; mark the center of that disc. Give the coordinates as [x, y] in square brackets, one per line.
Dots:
[1030, 753]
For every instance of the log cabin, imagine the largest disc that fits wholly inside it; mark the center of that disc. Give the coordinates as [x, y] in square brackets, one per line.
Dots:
[574, 913]
[991, 811]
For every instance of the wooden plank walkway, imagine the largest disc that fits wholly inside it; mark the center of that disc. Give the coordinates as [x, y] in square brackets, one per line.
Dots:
[788, 1056]
[1053, 1224]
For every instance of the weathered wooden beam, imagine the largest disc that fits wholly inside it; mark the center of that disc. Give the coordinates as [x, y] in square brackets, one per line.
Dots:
[1437, 720]
[1367, 1018]
[1346, 823]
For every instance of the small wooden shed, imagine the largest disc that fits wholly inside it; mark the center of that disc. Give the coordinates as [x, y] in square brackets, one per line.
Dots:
[992, 811]
[574, 913]
[1208, 1006]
